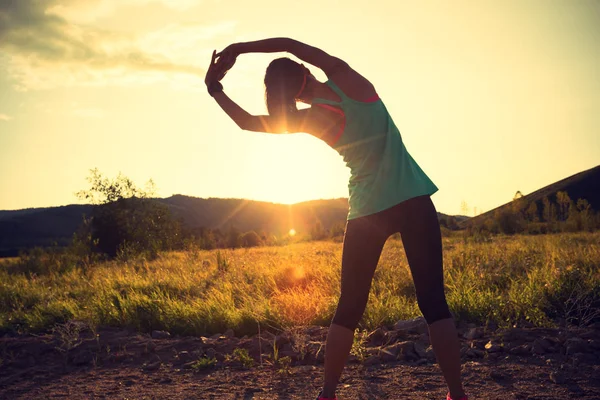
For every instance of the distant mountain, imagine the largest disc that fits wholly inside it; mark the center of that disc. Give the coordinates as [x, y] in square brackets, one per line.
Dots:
[23, 229]
[583, 185]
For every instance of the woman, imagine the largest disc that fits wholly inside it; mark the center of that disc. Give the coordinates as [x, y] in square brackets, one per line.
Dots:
[388, 192]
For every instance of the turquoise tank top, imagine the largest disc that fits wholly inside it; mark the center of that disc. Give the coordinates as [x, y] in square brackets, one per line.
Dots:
[383, 173]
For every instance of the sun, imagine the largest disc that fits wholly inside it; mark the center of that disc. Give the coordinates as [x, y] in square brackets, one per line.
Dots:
[292, 232]
[289, 169]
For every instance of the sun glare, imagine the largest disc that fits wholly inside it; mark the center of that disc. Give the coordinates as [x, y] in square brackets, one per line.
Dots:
[292, 232]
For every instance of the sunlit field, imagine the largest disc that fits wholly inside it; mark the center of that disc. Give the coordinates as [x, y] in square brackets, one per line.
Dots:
[541, 280]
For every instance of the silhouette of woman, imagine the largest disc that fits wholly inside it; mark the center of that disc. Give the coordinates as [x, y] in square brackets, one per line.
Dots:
[388, 191]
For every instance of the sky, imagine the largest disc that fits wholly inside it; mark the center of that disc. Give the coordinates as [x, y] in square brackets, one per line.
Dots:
[490, 97]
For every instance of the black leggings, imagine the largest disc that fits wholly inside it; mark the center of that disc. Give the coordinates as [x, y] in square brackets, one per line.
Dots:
[416, 221]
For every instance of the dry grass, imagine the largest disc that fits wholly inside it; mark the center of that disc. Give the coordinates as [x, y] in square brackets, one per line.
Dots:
[546, 279]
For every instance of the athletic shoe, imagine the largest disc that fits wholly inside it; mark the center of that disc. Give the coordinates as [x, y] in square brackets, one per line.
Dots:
[461, 398]
[325, 398]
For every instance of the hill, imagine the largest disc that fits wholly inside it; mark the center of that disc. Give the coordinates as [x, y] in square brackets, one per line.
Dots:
[583, 185]
[23, 229]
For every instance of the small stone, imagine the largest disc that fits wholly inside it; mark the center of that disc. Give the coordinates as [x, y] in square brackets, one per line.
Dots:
[160, 335]
[474, 333]
[493, 348]
[189, 365]
[421, 361]
[184, 356]
[152, 366]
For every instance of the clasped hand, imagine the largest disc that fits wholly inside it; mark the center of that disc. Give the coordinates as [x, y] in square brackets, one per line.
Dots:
[220, 63]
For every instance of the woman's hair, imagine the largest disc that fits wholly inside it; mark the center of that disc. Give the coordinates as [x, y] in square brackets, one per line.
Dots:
[283, 80]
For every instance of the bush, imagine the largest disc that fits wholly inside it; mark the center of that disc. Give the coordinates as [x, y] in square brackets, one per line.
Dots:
[251, 239]
[126, 221]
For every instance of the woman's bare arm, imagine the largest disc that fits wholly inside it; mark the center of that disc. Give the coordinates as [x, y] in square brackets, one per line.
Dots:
[310, 54]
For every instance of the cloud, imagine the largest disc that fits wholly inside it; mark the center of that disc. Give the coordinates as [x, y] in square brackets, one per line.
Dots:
[4, 117]
[45, 49]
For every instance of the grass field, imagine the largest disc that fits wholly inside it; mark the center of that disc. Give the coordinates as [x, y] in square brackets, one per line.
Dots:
[541, 280]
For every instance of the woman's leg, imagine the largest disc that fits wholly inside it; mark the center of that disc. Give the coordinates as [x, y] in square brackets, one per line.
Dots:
[422, 240]
[363, 241]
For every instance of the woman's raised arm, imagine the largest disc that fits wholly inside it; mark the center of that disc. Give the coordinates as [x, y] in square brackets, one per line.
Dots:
[310, 54]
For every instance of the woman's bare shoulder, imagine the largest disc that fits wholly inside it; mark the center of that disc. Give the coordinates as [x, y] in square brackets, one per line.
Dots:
[353, 84]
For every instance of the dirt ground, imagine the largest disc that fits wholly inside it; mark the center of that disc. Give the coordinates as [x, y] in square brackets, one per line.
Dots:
[118, 364]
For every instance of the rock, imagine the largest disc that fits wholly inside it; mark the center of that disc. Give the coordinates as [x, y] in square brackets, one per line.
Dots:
[23, 362]
[521, 350]
[210, 353]
[576, 345]
[422, 361]
[474, 353]
[184, 356]
[400, 350]
[387, 355]
[206, 340]
[474, 333]
[557, 377]
[229, 333]
[420, 350]
[372, 360]
[82, 358]
[160, 335]
[493, 348]
[294, 356]
[416, 325]
[584, 358]
[377, 337]
[538, 347]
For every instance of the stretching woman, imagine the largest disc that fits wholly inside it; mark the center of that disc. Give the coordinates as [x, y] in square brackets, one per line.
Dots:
[388, 192]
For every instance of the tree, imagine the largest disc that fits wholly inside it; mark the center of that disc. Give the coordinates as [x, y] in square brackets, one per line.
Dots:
[233, 238]
[533, 212]
[126, 219]
[317, 232]
[549, 211]
[563, 200]
[585, 214]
